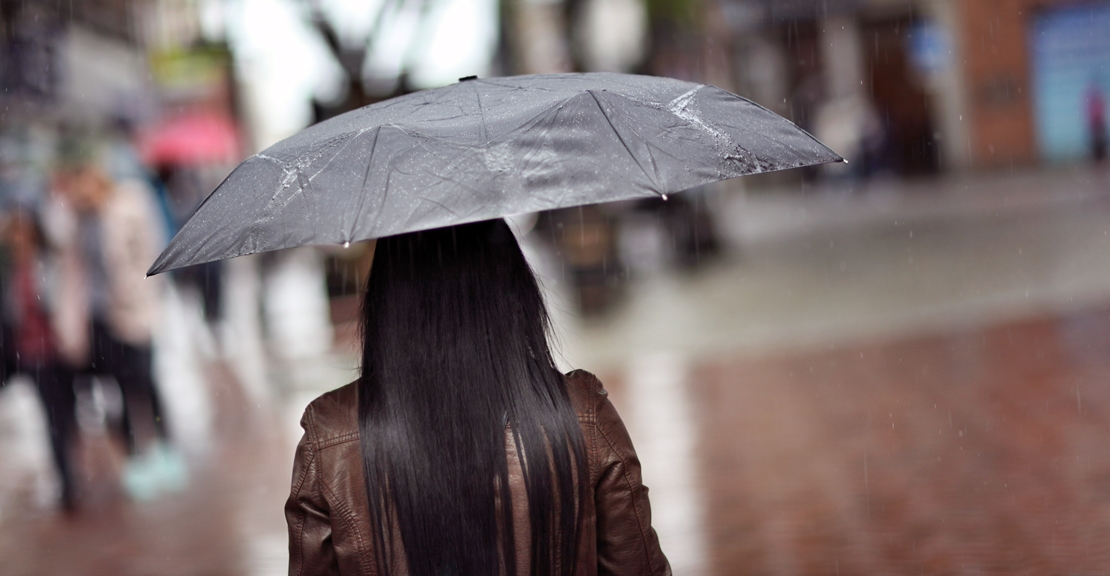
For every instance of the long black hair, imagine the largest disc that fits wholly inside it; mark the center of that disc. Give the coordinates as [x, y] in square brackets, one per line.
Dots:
[455, 364]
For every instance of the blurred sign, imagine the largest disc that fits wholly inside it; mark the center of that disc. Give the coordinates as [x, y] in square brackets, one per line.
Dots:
[929, 47]
[191, 139]
[191, 74]
[1070, 51]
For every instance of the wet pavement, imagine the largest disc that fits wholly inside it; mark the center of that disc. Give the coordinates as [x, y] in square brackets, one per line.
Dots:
[899, 384]
[228, 521]
[976, 452]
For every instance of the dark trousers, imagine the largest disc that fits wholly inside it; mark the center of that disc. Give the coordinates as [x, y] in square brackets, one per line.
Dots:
[206, 279]
[54, 382]
[131, 367]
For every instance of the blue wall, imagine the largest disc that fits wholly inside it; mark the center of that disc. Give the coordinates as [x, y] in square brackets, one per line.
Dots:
[1070, 49]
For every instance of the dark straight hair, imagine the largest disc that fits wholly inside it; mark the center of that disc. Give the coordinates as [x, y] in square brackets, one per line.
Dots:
[456, 361]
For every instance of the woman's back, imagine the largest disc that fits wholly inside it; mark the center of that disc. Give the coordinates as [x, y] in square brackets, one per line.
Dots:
[329, 526]
[472, 452]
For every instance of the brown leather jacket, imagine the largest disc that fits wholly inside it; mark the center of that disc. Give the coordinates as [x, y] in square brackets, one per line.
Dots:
[329, 523]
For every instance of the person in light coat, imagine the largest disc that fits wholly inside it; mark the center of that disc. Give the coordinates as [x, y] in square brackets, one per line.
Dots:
[106, 234]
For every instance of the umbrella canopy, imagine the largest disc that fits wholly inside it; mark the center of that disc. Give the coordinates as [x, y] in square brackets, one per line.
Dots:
[483, 149]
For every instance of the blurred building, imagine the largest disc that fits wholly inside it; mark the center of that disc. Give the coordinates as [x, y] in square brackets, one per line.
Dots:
[62, 65]
[109, 66]
[93, 60]
[83, 58]
[951, 84]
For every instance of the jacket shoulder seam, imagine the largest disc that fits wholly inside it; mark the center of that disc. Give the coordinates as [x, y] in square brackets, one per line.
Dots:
[334, 440]
[310, 458]
[310, 420]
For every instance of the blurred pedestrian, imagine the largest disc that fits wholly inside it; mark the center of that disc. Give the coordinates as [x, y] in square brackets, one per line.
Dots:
[1096, 121]
[29, 346]
[585, 239]
[114, 308]
[461, 449]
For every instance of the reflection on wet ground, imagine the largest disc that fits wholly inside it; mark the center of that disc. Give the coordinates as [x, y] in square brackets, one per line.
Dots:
[961, 427]
[974, 452]
[980, 450]
[228, 521]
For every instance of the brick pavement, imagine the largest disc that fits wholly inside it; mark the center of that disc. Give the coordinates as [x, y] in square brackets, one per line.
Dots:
[976, 452]
[227, 522]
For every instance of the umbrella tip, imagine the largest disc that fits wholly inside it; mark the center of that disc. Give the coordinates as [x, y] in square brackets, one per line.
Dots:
[664, 197]
[347, 244]
[465, 78]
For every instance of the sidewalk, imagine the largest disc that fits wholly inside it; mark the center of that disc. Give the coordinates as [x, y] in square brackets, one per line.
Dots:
[227, 521]
[828, 264]
[779, 213]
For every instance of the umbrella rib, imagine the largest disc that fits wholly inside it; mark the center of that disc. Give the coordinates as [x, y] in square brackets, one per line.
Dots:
[622, 141]
[346, 145]
[366, 178]
[493, 81]
[483, 134]
[441, 205]
[446, 179]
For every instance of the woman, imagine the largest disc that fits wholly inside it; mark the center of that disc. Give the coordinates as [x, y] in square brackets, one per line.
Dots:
[461, 449]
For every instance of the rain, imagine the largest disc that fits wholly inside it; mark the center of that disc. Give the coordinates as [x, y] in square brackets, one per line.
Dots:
[892, 364]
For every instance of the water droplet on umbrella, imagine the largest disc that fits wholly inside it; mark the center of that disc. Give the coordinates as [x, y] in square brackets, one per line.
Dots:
[347, 244]
[664, 197]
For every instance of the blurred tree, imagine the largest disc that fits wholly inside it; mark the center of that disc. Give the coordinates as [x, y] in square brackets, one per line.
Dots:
[352, 56]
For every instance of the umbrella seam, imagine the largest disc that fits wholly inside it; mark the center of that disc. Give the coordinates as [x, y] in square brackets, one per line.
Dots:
[483, 134]
[791, 122]
[446, 179]
[362, 189]
[346, 145]
[621, 139]
[441, 205]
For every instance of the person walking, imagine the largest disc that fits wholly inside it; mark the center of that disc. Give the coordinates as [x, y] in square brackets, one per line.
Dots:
[1096, 121]
[28, 345]
[461, 449]
[112, 308]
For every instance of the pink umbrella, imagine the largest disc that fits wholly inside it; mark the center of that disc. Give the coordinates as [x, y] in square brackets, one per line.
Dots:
[191, 139]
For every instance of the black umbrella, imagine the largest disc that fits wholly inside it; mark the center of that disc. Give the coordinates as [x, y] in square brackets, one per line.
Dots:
[483, 149]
